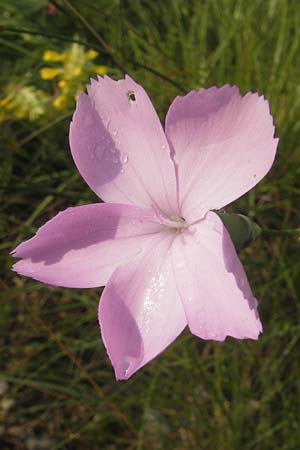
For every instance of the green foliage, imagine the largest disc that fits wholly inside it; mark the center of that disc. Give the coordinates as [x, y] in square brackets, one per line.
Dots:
[57, 389]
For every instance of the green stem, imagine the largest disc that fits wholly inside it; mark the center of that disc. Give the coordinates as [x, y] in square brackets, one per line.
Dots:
[95, 47]
[281, 233]
[4, 29]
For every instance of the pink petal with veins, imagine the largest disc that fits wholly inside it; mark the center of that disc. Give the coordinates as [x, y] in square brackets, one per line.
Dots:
[82, 246]
[212, 283]
[140, 311]
[120, 148]
[223, 145]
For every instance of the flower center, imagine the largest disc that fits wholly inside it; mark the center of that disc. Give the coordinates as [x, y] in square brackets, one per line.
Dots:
[175, 224]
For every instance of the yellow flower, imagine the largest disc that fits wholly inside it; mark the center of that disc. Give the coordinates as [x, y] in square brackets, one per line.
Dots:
[70, 68]
[51, 55]
[47, 73]
[8, 102]
[60, 102]
[23, 102]
[63, 84]
[101, 70]
[10, 106]
[4, 101]
[77, 71]
[91, 54]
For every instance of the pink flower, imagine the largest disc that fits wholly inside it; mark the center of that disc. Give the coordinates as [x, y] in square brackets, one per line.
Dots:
[165, 257]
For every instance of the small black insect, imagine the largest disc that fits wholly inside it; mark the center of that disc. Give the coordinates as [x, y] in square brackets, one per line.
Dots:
[131, 96]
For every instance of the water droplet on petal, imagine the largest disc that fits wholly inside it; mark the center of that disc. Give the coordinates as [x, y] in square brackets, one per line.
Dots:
[163, 147]
[115, 132]
[124, 159]
[97, 152]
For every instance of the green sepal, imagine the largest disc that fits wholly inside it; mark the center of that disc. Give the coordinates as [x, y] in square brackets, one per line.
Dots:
[243, 231]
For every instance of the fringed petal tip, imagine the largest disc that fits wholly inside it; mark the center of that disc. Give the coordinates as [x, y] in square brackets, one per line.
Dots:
[223, 146]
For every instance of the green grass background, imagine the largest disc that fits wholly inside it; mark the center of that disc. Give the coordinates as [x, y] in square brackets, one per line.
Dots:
[60, 391]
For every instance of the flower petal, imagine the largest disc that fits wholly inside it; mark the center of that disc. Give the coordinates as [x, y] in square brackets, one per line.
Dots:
[120, 148]
[223, 145]
[82, 246]
[140, 312]
[217, 299]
